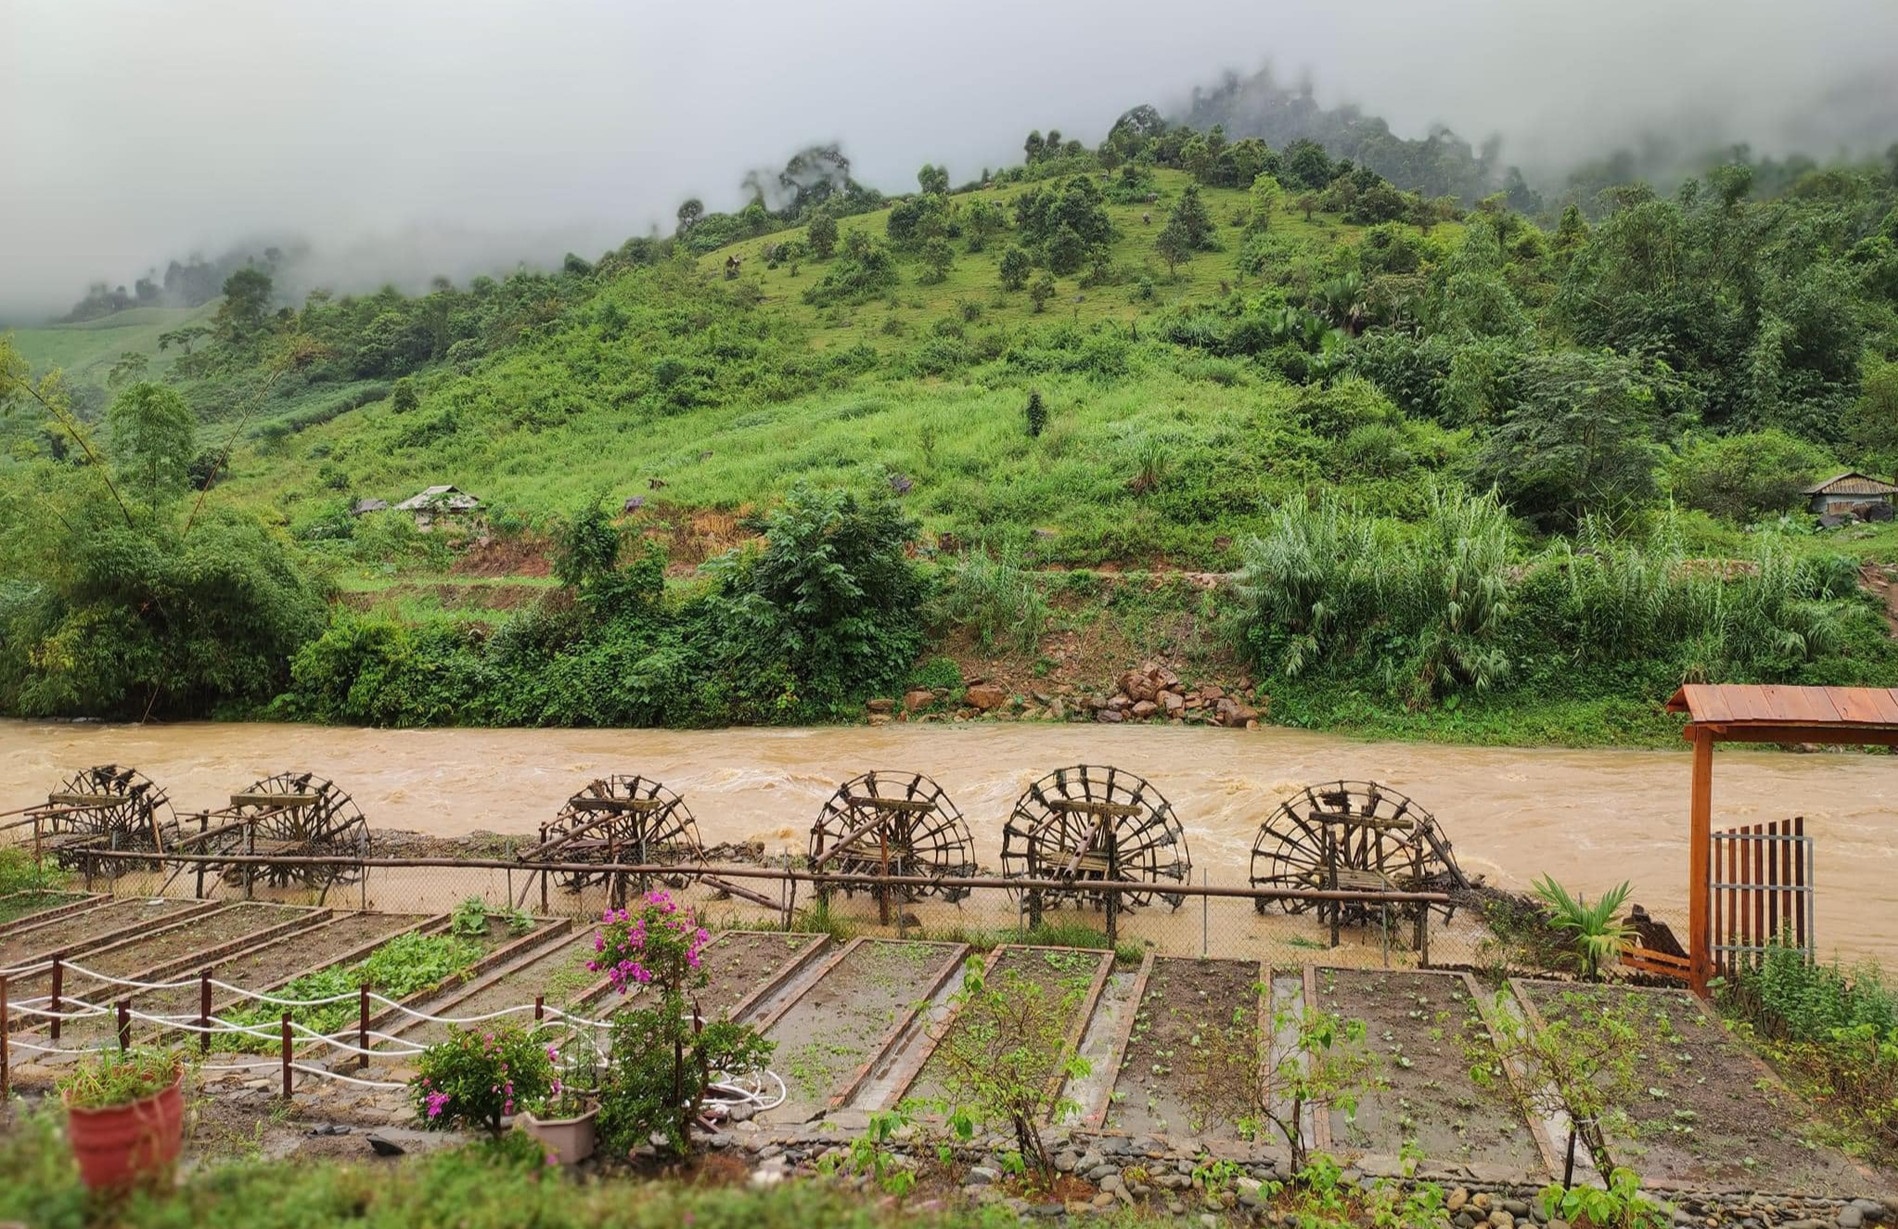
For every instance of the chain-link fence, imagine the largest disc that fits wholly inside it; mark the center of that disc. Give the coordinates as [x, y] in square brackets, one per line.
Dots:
[1205, 918]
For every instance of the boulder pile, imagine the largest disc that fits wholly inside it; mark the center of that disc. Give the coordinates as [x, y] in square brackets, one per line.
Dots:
[1151, 693]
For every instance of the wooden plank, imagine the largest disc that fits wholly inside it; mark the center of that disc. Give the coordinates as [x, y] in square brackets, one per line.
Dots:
[621, 806]
[1700, 842]
[912, 806]
[1122, 1036]
[1077, 806]
[278, 801]
[86, 800]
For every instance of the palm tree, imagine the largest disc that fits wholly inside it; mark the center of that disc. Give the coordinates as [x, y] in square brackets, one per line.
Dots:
[1598, 934]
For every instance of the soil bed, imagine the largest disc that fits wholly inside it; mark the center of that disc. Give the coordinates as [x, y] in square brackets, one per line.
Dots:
[20, 905]
[200, 934]
[1426, 1032]
[739, 961]
[841, 1020]
[1184, 999]
[1064, 977]
[1711, 1120]
[39, 942]
[267, 967]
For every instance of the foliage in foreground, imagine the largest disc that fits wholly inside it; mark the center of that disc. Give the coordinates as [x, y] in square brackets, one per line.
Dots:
[502, 1183]
[1834, 1029]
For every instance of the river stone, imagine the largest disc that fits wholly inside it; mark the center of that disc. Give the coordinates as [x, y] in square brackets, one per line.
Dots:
[982, 1175]
[1851, 1217]
[1871, 1209]
[1516, 1208]
[1101, 1173]
[1457, 1199]
[1500, 1219]
[1064, 1162]
[1091, 1159]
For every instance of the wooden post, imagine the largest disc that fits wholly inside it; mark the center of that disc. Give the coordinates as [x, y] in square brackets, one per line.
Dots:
[540, 1008]
[286, 1056]
[1700, 864]
[6, 1027]
[59, 980]
[362, 1026]
[125, 1024]
[204, 1011]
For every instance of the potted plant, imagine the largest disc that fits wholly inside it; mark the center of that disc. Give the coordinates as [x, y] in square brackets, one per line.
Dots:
[125, 1114]
[480, 1076]
[563, 1120]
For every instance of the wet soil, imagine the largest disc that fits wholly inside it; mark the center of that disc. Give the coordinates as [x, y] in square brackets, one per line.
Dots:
[1062, 979]
[739, 961]
[1158, 1090]
[200, 934]
[840, 1021]
[23, 905]
[1712, 1117]
[32, 944]
[1426, 1034]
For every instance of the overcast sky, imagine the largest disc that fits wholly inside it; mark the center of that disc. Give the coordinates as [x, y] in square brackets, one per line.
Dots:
[473, 133]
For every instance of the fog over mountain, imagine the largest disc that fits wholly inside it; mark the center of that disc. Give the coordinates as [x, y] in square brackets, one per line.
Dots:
[404, 139]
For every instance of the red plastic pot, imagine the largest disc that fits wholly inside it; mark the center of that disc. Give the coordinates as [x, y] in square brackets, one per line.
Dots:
[127, 1144]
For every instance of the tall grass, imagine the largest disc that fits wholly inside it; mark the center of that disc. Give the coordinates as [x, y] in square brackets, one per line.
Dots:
[995, 596]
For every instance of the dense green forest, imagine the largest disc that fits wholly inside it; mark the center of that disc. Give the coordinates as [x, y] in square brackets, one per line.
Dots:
[1474, 461]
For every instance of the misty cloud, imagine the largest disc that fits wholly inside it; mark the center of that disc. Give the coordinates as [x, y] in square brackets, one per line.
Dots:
[405, 138]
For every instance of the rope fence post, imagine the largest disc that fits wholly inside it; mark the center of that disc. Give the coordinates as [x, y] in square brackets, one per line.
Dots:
[125, 1024]
[286, 1056]
[362, 1027]
[59, 981]
[204, 1011]
[540, 1008]
[6, 1027]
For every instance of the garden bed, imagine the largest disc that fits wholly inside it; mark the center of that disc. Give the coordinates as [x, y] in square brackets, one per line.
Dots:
[831, 1033]
[1712, 1117]
[31, 944]
[18, 906]
[1425, 1030]
[1060, 973]
[1156, 1090]
[742, 963]
[198, 936]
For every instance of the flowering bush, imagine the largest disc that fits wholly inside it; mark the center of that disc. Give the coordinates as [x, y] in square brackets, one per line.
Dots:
[656, 945]
[664, 1055]
[481, 1075]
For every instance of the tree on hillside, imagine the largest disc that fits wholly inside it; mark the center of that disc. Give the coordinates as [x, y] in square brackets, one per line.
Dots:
[1264, 199]
[1041, 292]
[933, 180]
[938, 258]
[1015, 268]
[982, 221]
[153, 437]
[822, 234]
[1174, 247]
[246, 306]
[691, 212]
[1192, 219]
[1305, 164]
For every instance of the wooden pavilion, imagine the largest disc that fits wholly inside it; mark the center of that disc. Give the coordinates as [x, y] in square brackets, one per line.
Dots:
[1836, 716]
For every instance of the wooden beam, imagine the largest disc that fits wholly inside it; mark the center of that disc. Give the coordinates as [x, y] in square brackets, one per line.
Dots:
[1700, 864]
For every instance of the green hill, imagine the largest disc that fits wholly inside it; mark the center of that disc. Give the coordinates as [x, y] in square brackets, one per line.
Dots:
[87, 350]
[1480, 474]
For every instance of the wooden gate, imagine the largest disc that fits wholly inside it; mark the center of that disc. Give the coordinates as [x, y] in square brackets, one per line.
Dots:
[1762, 892]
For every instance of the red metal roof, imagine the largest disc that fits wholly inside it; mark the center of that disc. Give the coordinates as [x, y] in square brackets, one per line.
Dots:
[1837, 708]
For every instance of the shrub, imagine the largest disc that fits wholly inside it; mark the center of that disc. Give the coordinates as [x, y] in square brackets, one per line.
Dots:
[665, 1056]
[482, 1074]
[996, 597]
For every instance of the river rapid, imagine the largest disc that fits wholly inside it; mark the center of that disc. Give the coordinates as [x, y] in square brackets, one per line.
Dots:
[1591, 817]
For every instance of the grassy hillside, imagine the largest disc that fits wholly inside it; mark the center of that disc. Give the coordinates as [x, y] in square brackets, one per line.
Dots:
[87, 350]
[1480, 475]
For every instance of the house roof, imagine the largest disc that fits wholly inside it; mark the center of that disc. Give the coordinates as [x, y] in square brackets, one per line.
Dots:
[449, 498]
[1790, 714]
[1852, 483]
[369, 505]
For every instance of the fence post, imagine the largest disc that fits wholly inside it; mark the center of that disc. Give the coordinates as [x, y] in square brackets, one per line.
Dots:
[6, 1027]
[286, 1056]
[540, 1008]
[1423, 935]
[204, 1011]
[362, 1026]
[59, 980]
[125, 1024]
[1205, 918]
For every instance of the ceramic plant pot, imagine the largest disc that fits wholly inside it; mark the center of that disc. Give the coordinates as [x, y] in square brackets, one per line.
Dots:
[123, 1145]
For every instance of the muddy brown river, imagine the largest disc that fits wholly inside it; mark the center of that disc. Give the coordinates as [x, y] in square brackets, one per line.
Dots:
[1591, 818]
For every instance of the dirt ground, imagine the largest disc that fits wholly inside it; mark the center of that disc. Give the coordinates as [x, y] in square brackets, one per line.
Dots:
[1158, 1090]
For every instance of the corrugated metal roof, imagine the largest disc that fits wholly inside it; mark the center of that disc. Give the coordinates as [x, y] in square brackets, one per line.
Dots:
[1852, 483]
[1735, 704]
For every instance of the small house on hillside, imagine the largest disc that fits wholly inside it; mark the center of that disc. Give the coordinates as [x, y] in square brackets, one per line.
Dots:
[363, 507]
[1852, 494]
[438, 502]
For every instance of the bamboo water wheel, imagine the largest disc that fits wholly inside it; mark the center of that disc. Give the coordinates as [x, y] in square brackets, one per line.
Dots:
[1091, 822]
[294, 815]
[618, 819]
[105, 807]
[893, 823]
[1353, 836]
